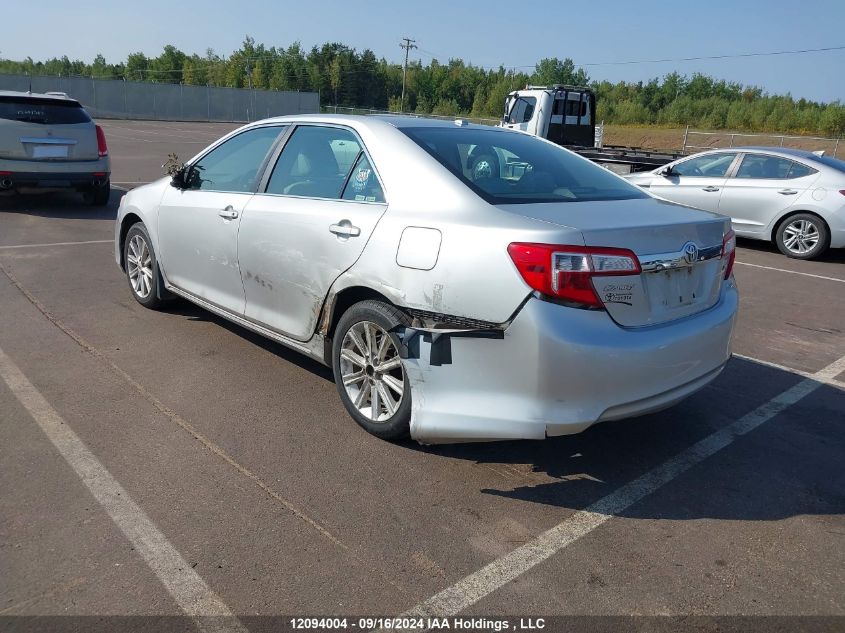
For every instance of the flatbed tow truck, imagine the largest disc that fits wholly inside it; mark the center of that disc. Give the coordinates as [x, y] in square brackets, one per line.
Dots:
[566, 115]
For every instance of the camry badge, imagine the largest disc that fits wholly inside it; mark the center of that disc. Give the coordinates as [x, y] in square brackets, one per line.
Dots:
[690, 251]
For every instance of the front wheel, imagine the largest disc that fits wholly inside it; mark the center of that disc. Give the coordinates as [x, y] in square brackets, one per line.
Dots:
[368, 370]
[802, 236]
[141, 266]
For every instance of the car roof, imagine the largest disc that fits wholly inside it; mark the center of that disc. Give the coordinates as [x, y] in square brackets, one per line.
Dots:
[35, 95]
[761, 149]
[378, 120]
[789, 151]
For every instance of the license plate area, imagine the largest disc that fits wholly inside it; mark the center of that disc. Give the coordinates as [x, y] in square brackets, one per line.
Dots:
[681, 287]
[679, 291]
[50, 151]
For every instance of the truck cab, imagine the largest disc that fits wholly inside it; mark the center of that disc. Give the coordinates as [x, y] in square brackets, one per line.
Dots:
[562, 114]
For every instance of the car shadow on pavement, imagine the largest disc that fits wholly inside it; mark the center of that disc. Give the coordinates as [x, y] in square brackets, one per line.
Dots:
[789, 466]
[61, 205]
[192, 312]
[833, 255]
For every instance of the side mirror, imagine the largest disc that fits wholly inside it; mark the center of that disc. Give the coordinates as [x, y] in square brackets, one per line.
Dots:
[665, 171]
[180, 178]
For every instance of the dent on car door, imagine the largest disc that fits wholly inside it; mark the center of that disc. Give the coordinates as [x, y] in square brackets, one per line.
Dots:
[198, 225]
[762, 187]
[321, 203]
[696, 181]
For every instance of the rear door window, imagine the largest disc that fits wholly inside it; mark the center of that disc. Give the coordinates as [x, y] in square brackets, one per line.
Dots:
[764, 166]
[363, 185]
[315, 162]
[42, 111]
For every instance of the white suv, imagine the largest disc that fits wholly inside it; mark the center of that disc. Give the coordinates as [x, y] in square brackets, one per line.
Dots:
[48, 141]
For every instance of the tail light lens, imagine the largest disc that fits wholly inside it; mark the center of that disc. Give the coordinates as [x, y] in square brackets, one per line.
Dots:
[842, 191]
[102, 148]
[728, 252]
[565, 272]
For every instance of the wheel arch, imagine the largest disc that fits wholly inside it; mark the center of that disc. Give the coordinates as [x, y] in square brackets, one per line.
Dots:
[125, 224]
[341, 301]
[788, 214]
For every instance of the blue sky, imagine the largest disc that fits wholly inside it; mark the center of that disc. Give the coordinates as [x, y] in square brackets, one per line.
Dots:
[485, 33]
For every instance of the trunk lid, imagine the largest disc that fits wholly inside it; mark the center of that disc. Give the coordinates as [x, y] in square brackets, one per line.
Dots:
[678, 247]
[45, 129]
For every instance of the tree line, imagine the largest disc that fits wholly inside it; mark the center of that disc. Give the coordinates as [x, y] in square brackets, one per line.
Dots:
[345, 77]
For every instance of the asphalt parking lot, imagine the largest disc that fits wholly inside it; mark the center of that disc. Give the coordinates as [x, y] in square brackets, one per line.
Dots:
[258, 496]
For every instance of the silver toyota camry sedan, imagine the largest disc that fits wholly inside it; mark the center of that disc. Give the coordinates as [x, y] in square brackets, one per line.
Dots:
[532, 297]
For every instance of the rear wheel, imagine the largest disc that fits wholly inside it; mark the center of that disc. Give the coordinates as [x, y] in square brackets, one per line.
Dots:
[368, 371]
[141, 267]
[97, 195]
[802, 236]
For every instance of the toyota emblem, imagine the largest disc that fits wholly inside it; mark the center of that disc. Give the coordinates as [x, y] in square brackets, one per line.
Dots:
[690, 251]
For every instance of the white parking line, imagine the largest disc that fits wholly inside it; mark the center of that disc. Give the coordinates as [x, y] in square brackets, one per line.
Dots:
[501, 571]
[186, 587]
[792, 272]
[137, 183]
[826, 379]
[56, 244]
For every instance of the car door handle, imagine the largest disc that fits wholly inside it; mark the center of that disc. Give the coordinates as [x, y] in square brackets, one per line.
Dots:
[228, 213]
[344, 228]
[710, 189]
[787, 192]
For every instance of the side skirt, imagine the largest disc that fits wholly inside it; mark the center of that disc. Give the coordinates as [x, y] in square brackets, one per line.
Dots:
[314, 347]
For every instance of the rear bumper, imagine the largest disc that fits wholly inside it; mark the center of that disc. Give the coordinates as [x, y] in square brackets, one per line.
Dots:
[14, 173]
[559, 370]
[836, 223]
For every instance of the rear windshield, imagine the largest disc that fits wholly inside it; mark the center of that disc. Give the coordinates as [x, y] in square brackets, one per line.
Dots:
[45, 111]
[835, 163]
[515, 168]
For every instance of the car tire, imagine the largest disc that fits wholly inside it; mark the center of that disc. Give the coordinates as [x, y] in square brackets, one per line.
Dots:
[142, 267]
[97, 195]
[369, 374]
[802, 236]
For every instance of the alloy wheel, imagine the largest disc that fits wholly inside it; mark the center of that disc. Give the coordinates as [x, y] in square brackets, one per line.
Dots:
[801, 236]
[372, 371]
[139, 266]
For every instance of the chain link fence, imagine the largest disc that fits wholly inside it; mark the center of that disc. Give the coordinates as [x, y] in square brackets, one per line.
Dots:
[698, 140]
[117, 99]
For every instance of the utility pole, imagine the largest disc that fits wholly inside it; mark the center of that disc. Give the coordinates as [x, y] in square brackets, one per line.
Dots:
[407, 44]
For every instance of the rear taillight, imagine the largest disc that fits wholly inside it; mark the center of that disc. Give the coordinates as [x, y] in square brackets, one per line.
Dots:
[565, 272]
[728, 252]
[102, 148]
[842, 191]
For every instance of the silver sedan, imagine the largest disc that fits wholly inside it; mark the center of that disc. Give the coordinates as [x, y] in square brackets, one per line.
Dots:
[791, 197]
[531, 298]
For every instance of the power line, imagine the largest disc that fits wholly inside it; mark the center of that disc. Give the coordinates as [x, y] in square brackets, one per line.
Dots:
[690, 59]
